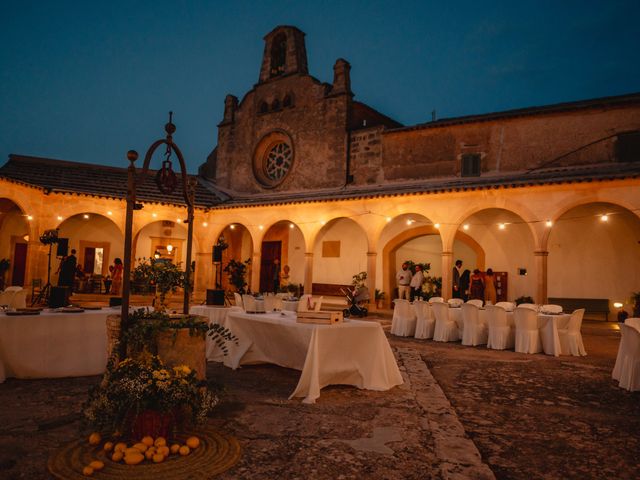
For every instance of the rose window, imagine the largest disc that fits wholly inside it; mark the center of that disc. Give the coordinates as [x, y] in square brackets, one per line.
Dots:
[278, 161]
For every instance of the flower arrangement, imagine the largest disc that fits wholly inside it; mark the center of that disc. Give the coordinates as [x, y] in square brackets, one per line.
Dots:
[237, 273]
[143, 384]
[163, 274]
[359, 280]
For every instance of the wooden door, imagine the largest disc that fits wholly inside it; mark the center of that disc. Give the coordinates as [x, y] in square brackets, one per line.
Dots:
[270, 252]
[19, 264]
[89, 259]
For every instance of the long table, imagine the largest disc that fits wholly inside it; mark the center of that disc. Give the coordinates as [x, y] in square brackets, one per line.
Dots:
[52, 345]
[351, 353]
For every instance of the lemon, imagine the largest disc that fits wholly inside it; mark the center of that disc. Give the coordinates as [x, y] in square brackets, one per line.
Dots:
[87, 471]
[149, 453]
[193, 442]
[158, 458]
[94, 438]
[160, 441]
[164, 450]
[97, 465]
[184, 450]
[141, 446]
[133, 458]
[148, 441]
[117, 455]
[131, 450]
[108, 446]
[175, 448]
[120, 447]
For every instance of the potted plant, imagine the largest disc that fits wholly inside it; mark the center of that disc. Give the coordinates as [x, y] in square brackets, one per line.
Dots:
[379, 297]
[4, 266]
[524, 299]
[143, 396]
[163, 274]
[237, 273]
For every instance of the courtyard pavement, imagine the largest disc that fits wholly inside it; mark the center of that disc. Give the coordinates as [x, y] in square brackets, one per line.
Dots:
[463, 412]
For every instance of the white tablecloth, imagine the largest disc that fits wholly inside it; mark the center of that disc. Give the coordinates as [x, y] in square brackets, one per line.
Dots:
[52, 345]
[216, 315]
[290, 306]
[352, 353]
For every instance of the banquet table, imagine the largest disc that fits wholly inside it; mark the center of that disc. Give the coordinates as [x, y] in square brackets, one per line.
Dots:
[216, 315]
[351, 353]
[52, 345]
[548, 324]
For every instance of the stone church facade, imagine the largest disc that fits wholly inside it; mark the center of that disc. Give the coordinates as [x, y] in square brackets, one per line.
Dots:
[304, 173]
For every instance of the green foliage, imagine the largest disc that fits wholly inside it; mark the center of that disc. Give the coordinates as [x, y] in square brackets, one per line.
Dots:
[164, 275]
[412, 266]
[135, 385]
[237, 273]
[524, 299]
[379, 295]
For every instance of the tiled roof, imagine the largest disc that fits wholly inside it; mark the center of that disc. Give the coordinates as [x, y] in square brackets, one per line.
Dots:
[82, 178]
[548, 176]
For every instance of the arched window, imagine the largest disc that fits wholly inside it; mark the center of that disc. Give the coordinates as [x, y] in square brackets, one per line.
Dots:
[287, 101]
[278, 54]
[264, 107]
[275, 105]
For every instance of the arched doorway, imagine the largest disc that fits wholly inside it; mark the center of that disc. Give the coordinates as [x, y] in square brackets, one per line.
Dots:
[240, 248]
[14, 239]
[283, 241]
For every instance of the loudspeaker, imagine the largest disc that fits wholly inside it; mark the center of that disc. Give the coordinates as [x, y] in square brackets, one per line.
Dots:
[59, 297]
[115, 301]
[217, 254]
[63, 247]
[215, 297]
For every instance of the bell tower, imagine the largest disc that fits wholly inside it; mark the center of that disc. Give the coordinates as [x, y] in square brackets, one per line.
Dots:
[284, 53]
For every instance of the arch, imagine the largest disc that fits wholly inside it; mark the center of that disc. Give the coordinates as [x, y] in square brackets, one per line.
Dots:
[240, 248]
[292, 249]
[15, 234]
[278, 54]
[160, 233]
[288, 100]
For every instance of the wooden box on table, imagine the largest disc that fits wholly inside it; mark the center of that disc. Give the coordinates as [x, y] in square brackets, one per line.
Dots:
[320, 318]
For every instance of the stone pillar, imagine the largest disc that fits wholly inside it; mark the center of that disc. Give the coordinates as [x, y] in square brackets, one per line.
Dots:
[36, 266]
[254, 283]
[371, 276]
[447, 278]
[541, 257]
[308, 272]
[204, 274]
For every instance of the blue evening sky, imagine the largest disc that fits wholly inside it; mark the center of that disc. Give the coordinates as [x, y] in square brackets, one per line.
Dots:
[88, 80]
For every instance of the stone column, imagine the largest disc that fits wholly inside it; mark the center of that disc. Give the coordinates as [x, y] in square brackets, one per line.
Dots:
[308, 272]
[447, 280]
[36, 266]
[541, 257]
[254, 282]
[204, 274]
[371, 276]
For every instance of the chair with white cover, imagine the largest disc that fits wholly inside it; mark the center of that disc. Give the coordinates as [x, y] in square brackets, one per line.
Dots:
[238, 299]
[527, 332]
[304, 304]
[476, 301]
[627, 367]
[6, 297]
[530, 306]
[455, 302]
[501, 333]
[634, 322]
[13, 288]
[436, 299]
[508, 306]
[551, 308]
[425, 323]
[403, 323]
[249, 304]
[19, 299]
[570, 337]
[446, 329]
[474, 331]
[318, 305]
[269, 302]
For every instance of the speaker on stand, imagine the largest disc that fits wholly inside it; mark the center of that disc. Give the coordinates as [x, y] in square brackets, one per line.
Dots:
[62, 249]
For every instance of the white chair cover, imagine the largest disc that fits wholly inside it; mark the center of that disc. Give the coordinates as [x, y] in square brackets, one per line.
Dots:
[425, 323]
[238, 299]
[474, 332]
[249, 303]
[318, 304]
[436, 299]
[476, 301]
[404, 319]
[551, 308]
[6, 297]
[446, 330]
[501, 334]
[455, 302]
[570, 337]
[634, 322]
[303, 303]
[530, 306]
[527, 332]
[508, 306]
[627, 368]
[19, 299]
[13, 288]
[269, 302]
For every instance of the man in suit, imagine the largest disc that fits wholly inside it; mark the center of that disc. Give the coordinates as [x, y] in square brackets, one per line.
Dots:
[457, 271]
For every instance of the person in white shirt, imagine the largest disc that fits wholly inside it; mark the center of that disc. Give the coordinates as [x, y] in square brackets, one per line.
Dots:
[416, 282]
[404, 280]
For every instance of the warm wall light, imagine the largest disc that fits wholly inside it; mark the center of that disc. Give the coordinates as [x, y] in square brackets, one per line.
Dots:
[436, 225]
[59, 217]
[85, 216]
[389, 219]
[466, 226]
[26, 238]
[109, 213]
[604, 218]
[29, 217]
[232, 226]
[291, 225]
[169, 248]
[154, 215]
[549, 223]
[261, 227]
[156, 255]
[178, 220]
[323, 222]
[617, 305]
[205, 224]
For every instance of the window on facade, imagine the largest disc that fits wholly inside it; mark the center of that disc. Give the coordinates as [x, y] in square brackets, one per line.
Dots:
[278, 54]
[275, 105]
[628, 147]
[470, 165]
[264, 107]
[287, 101]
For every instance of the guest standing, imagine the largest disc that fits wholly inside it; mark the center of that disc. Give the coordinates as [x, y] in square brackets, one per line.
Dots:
[464, 284]
[404, 280]
[116, 276]
[457, 271]
[276, 275]
[416, 283]
[68, 271]
[477, 285]
[490, 287]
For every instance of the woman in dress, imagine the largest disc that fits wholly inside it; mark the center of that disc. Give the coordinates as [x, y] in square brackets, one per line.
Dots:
[116, 276]
[489, 287]
[477, 285]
